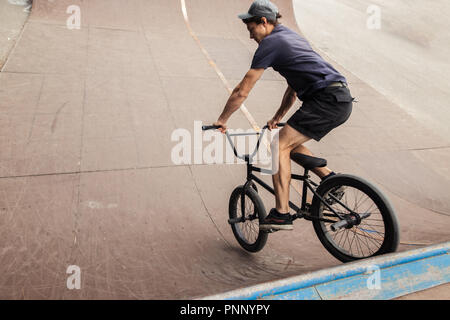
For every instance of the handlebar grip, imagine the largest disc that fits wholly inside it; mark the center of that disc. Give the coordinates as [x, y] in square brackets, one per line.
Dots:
[281, 124]
[204, 128]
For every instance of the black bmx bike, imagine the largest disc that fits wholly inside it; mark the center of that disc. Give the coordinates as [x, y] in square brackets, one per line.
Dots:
[352, 218]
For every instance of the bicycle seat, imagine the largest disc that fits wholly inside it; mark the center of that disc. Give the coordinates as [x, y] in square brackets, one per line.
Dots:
[308, 162]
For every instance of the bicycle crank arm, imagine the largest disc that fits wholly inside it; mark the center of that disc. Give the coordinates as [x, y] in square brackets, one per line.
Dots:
[305, 215]
[239, 220]
[235, 220]
[349, 221]
[269, 231]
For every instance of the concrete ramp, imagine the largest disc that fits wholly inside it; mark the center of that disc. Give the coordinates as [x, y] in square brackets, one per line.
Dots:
[86, 175]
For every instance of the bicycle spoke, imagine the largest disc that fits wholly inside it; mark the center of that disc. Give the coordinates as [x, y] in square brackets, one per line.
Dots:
[368, 236]
[254, 228]
[342, 236]
[372, 225]
[352, 243]
[369, 231]
[359, 242]
[355, 197]
[367, 245]
[360, 204]
[362, 240]
[249, 229]
[368, 210]
[368, 219]
[335, 234]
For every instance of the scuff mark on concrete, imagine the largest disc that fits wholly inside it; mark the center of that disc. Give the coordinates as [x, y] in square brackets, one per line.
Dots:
[56, 116]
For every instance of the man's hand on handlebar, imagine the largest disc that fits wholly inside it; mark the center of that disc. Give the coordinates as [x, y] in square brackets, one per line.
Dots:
[223, 126]
[272, 123]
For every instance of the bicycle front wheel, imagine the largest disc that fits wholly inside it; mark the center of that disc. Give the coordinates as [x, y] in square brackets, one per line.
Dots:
[247, 232]
[377, 234]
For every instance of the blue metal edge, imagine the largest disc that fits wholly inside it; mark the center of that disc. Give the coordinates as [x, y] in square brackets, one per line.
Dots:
[348, 270]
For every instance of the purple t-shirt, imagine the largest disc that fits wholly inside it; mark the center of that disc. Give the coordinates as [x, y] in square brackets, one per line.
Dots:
[292, 56]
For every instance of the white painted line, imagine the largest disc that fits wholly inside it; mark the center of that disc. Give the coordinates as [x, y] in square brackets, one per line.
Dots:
[243, 108]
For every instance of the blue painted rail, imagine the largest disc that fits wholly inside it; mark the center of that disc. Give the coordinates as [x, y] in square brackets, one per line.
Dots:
[384, 277]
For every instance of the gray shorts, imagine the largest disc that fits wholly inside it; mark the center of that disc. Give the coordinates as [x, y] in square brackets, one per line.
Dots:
[323, 111]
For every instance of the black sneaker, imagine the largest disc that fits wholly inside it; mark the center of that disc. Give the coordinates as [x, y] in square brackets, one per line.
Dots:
[276, 221]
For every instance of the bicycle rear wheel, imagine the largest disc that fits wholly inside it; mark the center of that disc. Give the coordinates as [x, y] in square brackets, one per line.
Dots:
[375, 235]
[247, 233]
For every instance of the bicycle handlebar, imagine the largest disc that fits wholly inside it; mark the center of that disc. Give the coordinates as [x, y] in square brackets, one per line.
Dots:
[204, 128]
[243, 157]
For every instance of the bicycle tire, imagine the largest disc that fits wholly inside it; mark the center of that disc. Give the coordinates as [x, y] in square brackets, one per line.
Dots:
[386, 211]
[235, 208]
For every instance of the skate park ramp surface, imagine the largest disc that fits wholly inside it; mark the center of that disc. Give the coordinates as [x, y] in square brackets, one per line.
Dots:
[86, 172]
[13, 15]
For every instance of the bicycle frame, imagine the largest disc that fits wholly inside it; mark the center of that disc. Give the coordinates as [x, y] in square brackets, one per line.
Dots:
[303, 211]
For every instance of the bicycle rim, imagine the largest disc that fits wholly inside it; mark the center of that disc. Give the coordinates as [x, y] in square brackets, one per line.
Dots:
[248, 231]
[360, 241]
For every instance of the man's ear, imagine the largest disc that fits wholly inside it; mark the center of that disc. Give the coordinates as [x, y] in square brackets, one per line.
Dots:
[264, 20]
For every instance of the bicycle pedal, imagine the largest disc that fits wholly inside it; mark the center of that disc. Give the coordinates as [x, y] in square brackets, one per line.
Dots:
[269, 231]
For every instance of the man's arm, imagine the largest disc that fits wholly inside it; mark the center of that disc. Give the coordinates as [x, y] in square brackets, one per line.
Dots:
[238, 96]
[286, 103]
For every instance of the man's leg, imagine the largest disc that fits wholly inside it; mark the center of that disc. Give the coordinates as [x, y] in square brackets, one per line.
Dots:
[289, 139]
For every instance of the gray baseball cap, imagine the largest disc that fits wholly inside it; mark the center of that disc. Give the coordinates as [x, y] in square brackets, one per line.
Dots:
[261, 8]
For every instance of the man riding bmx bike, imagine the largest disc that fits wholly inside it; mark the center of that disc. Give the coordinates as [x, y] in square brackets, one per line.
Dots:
[327, 102]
